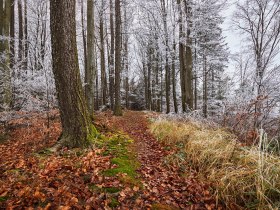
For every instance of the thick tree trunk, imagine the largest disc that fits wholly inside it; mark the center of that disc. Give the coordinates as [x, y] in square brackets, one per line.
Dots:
[5, 74]
[185, 57]
[77, 130]
[118, 107]
[90, 73]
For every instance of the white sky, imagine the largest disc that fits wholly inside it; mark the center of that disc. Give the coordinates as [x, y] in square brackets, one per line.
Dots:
[233, 38]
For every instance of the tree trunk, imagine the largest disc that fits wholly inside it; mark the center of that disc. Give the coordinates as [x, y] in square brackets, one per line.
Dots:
[12, 35]
[5, 77]
[112, 53]
[181, 57]
[145, 85]
[157, 76]
[167, 68]
[77, 130]
[149, 68]
[118, 108]
[185, 56]
[90, 73]
[189, 60]
[174, 77]
[96, 83]
[126, 79]
[161, 84]
[20, 32]
[84, 35]
[188, 78]
[205, 94]
[102, 60]
[43, 39]
[195, 78]
[26, 45]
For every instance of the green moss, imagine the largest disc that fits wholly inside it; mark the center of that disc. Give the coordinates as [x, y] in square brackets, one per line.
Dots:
[114, 203]
[125, 161]
[44, 152]
[3, 198]
[3, 138]
[93, 134]
[125, 166]
[94, 188]
[110, 190]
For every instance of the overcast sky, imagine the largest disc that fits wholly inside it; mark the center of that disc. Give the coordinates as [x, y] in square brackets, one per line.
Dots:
[232, 37]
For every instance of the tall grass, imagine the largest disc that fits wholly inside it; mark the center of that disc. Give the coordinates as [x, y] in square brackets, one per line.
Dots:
[242, 177]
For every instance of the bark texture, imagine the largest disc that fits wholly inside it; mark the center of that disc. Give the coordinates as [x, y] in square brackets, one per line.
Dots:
[102, 56]
[77, 131]
[118, 107]
[111, 58]
[90, 73]
[5, 74]
[185, 57]
[20, 32]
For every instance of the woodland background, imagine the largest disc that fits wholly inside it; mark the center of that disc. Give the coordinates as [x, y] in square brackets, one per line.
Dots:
[209, 120]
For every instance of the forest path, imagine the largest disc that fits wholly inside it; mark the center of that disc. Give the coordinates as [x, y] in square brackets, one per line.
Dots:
[33, 176]
[164, 185]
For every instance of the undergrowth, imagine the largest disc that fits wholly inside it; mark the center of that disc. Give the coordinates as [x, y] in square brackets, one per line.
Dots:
[243, 177]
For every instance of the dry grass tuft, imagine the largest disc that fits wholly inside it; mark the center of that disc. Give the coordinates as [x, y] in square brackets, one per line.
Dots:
[246, 177]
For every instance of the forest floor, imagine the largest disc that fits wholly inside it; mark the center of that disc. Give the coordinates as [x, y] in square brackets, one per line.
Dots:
[126, 170]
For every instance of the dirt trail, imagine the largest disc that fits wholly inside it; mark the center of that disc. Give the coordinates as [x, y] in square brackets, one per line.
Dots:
[163, 184]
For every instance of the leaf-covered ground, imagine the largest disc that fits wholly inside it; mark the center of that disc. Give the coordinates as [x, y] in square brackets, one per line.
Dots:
[126, 170]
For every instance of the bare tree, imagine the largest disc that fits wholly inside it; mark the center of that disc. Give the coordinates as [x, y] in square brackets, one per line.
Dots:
[259, 21]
